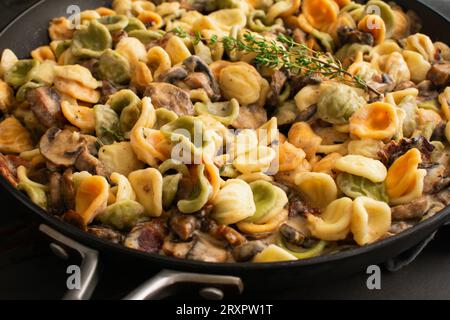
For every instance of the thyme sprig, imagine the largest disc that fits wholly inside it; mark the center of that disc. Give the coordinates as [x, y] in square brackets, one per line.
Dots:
[284, 53]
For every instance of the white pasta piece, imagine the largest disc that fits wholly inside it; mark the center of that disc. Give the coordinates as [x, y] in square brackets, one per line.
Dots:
[147, 184]
[124, 189]
[334, 223]
[371, 220]
[417, 65]
[361, 166]
[319, 188]
[233, 203]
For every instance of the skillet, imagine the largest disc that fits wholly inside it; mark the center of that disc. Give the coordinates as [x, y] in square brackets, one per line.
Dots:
[29, 31]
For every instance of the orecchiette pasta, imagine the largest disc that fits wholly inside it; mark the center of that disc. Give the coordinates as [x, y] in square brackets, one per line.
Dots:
[148, 186]
[334, 223]
[371, 220]
[361, 166]
[205, 124]
[234, 202]
[375, 121]
[319, 188]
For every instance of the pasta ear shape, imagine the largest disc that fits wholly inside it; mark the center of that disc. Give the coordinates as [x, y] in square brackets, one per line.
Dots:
[91, 41]
[356, 186]
[170, 188]
[225, 112]
[360, 166]
[123, 215]
[148, 184]
[404, 181]
[114, 67]
[124, 189]
[374, 25]
[334, 223]
[417, 64]
[119, 157]
[258, 159]
[91, 197]
[106, 124]
[36, 191]
[338, 103]
[371, 220]
[302, 136]
[375, 121]
[114, 23]
[226, 18]
[14, 138]
[21, 72]
[273, 253]
[132, 49]
[158, 60]
[269, 201]
[320, 13]
[80, 117]
[233, 203]
[177, 50]
[307, 96]
[318, 188]
[199, 196]
[422, 44]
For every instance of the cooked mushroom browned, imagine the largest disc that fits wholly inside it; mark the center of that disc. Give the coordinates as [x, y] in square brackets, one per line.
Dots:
[166, 95]
[55, 196]
[439, 74]
[291, 234]
[45, 104]
[413, 210]
[436, 178]
[176, 249]
[148, 236]
[106, 233]
[196, 65]
[277, 83]
[250, 117]
[68, 189]
[205, 250]
[87, 162]
[247, 251]
[184, 226]
[62, 147]
[173, 75]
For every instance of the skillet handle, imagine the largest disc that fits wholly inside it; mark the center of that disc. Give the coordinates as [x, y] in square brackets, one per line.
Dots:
[166, 282]
[89, 273]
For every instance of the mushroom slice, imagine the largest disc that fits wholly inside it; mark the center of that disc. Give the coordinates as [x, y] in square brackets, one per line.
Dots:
[205, 250]
[148, 236]
[87, 162]
[195, 65]
[62, 147]
[45, 104]
[55, 196]
[184, 226]
[168, 96]
[106, 233]
[173, 75]
[68, 189]
[250, 117]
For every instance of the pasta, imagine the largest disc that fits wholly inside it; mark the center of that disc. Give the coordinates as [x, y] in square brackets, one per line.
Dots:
[210, 124]
[371, 220]
[334, 223]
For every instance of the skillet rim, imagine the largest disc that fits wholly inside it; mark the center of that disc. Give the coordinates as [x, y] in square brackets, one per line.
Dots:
[434, 223]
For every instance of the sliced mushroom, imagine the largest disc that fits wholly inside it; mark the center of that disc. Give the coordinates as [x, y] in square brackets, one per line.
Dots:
[198, 80]
[350, 35]
[247, 251]
[168, 96]
[298, 207]
[250, 117]
[232, 236]
[412, 210]
[277, 83]
[55, 196]
[205, 250]
[148, 236]
[195, 64]
[400, 226]
[439, 74]
[75, 219]
[62, 147]
[184, 226]
[68, 189]
[45, 104]
[173, 75]
[176, 249]
[87, 162]
[106, 233]
[436, 179]
[292, 235]
[427, 90]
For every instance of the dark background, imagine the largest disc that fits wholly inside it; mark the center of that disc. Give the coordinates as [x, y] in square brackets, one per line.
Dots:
[28, 269]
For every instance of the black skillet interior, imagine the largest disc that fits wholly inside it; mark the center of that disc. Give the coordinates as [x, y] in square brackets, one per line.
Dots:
[29, 31]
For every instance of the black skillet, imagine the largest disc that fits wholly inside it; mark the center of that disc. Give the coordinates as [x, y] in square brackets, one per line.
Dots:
[29, 31]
